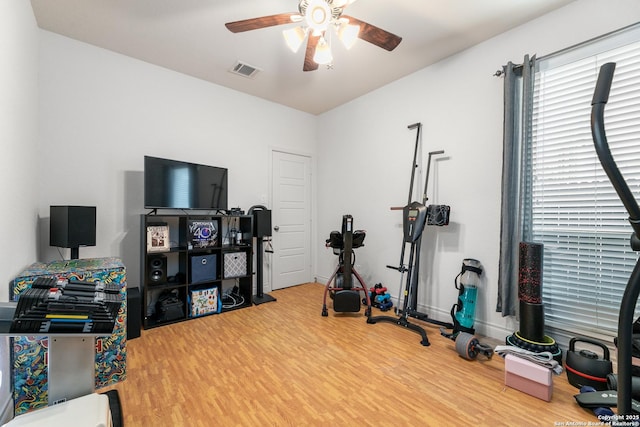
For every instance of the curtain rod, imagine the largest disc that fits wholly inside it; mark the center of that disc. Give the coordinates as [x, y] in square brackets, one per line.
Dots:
[498, 73]
[630, 27]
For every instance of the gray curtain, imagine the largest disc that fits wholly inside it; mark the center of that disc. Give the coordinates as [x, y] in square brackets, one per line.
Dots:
[515, 207]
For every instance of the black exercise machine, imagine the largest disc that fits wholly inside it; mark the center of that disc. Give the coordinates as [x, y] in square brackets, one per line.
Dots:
[415, 216]
[340, 286]
[623, 398]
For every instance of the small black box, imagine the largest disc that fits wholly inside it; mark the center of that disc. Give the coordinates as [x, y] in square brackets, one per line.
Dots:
[261, 223]
[134, 312]
[72, 226]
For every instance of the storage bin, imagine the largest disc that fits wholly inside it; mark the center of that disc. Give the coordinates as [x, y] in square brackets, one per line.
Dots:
[204, 301]
[235, 264]
[203, 268]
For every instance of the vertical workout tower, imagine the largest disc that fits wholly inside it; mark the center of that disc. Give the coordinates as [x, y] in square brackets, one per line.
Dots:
[415, 216]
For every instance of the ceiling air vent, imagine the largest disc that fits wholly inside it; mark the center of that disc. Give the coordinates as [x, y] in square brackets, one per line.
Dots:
[245, 70]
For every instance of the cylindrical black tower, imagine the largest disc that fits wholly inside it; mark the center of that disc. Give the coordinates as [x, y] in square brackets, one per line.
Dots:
[530, 292]
[531, 334]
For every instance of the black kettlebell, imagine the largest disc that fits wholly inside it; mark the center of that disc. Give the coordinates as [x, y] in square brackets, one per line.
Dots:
[586, 368]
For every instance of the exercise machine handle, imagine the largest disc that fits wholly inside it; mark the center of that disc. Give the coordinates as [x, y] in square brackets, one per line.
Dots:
[401, 268]
[603, 85]
[600, 99]
[632, 290]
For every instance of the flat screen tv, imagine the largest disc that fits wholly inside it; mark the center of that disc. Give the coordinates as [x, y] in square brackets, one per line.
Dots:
[172, 184]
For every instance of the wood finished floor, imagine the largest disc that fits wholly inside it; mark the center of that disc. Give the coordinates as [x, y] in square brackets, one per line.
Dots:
[283, 364]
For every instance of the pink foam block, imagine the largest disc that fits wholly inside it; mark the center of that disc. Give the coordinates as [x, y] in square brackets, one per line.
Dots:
[528, 377]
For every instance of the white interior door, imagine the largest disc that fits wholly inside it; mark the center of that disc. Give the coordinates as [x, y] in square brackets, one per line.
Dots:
[291, 219]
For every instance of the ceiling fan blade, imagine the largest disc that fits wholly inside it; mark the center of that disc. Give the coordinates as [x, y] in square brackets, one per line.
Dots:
[309, 63]
[375, 35]
[262, 22]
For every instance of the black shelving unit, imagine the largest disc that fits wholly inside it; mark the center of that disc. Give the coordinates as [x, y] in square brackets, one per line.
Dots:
[184, 267]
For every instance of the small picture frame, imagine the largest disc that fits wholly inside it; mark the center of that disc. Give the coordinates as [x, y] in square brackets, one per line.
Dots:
[203, 234]
[157, 237]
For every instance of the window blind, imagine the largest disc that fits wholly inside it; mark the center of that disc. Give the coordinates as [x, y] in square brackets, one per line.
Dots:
[575, 211]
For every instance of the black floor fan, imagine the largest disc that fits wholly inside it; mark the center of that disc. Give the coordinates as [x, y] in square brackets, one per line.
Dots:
[627, 307]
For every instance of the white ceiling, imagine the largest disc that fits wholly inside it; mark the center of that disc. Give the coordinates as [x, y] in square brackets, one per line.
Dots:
[189, 36]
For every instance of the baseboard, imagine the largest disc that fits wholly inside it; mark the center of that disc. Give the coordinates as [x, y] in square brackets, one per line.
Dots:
[482, 328]
[496, 332]
[6, 410]
[321, 279]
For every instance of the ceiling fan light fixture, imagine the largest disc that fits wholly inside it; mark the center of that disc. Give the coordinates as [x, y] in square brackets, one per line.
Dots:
[294, 37]
[318, 15]
[317, 20]
[348, 34]
[323, 53]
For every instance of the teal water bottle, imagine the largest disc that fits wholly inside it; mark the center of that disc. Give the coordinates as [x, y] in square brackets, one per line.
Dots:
[468, 292]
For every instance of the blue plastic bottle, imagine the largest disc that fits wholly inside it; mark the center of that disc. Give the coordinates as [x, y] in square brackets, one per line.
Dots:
[466, 310]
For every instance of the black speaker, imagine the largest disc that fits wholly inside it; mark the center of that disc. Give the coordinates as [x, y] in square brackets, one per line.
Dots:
[157, 269]
[134, 312]
[72, 226]
[261, 223]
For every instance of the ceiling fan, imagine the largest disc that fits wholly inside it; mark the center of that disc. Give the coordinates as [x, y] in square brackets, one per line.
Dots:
[316, 18]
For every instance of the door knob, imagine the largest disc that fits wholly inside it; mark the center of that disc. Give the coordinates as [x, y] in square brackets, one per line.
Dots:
[276, 228]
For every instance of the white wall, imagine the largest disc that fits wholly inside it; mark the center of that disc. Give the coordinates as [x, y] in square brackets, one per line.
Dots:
[459, 103]
[18, 172]
[101, 112]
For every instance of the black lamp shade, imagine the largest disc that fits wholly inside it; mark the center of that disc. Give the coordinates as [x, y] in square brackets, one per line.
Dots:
[72, 226]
